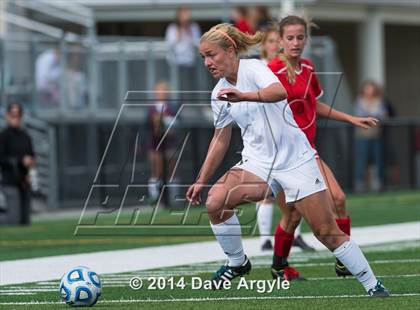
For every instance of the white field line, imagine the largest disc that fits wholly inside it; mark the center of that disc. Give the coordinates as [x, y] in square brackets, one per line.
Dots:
[121, 283]
[117, 261]
[131, 301]
[194, 271]
[126, 280]
[391, 261]
[29, 290]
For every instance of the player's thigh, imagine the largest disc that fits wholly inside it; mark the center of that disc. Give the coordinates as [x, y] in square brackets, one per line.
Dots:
[290, 216]
[332, 183]
[288, 210]
[235, 187]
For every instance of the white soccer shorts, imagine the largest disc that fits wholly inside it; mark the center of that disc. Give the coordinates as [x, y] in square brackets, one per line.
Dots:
[297, 183]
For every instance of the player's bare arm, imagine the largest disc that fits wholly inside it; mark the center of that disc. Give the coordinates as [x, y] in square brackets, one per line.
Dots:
[216, 152]
[324, 110]
[272, 93]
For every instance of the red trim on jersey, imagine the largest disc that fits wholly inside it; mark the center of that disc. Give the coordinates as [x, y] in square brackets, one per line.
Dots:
[301, 95]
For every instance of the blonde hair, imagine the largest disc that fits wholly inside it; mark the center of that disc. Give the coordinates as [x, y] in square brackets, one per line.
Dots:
[267, 30]
[226, 35]
[287, 21]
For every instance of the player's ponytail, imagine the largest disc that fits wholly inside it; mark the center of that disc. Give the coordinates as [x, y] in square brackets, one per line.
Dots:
[290, 71]
[286, 21]
[226, 35]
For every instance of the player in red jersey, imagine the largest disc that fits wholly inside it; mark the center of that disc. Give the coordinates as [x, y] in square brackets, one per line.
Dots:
[300, 81]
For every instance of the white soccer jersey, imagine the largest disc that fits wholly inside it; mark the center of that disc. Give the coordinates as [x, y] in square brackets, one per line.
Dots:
[271, 137]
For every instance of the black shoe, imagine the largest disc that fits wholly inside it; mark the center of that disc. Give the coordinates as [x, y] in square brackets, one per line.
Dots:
[227, 273]
[299, 242]
[287, 273]
[267, 246]
[341, 270]
[379, 291]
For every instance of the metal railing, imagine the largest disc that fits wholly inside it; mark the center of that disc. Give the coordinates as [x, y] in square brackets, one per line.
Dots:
[72, 123]
[94, 78]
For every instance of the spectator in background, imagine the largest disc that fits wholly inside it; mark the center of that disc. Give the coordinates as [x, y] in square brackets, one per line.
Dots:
[182, 38]
[369, 141]
[162, 144]
[47, 77]
[16, 160]
[77, 84]
[244, 19]
[270, 44]
[264, 19]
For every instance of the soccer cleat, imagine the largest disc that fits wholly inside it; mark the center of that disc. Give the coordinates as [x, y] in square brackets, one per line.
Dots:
[379, 291]
[227, 273]
[267, 246]
[287, 273]
[341, 270]
[299, 242]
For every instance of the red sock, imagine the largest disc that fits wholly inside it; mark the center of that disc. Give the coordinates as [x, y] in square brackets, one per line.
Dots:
[344, 224]
[282, 242]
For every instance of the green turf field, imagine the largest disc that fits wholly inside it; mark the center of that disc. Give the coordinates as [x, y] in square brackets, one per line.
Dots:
[397, 265]
[54, 237]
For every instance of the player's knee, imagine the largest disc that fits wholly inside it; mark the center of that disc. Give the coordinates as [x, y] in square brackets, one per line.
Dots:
[295, 218]
[212, 204]
[340, 200]
[328, 235]
[215, 202]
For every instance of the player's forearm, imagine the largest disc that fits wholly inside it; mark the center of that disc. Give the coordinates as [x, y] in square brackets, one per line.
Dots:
[323, 110]
[217, 150]
[272, 93]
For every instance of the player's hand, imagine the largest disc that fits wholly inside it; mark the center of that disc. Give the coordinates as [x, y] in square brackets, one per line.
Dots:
[364, 122]
[193, 193]
[230, 94]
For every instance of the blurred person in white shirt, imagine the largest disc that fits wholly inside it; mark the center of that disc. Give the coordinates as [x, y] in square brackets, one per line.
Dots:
[47, 76]
[182, 38]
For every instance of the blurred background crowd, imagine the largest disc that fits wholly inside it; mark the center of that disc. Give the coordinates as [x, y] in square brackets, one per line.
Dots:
[97, 81]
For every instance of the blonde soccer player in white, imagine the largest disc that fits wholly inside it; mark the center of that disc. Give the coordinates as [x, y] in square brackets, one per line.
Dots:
[276, 155]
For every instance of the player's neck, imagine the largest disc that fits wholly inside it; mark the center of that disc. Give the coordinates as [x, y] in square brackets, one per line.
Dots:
[295, 62]
[233, 76]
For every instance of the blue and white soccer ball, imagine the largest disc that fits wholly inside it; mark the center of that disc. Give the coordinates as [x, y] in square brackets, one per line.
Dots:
[80, 286]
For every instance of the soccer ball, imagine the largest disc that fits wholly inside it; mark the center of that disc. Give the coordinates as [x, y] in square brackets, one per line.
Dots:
[80, 287]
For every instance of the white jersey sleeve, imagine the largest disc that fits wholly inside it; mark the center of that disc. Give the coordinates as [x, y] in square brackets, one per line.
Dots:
[221, 115]
[261, 75]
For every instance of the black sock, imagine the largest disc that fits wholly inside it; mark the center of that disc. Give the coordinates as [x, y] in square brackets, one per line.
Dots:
[279, 262]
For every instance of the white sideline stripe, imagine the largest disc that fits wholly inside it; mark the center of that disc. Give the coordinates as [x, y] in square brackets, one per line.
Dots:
[205, 299]
[391, 261]
[116, 261]
[17, 293]
[18, 290]
[118, 278]
[27, 290]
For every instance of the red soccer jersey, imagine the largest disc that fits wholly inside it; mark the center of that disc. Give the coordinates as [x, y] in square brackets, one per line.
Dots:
[244, 26]
[301, 95]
